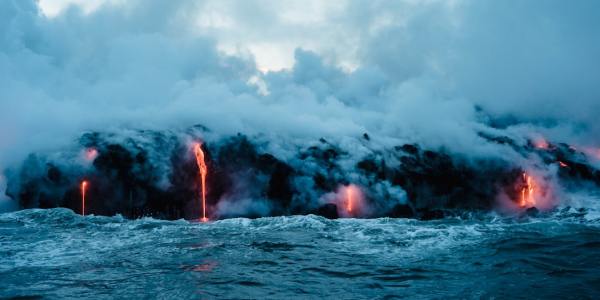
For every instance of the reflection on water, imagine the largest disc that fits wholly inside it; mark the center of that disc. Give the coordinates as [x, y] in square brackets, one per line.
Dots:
[204, 267]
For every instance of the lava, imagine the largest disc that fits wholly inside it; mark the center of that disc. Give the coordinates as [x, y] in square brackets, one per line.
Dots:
[91, 154]
[541, 143]
[203, 171]
[527, 192]
[592, 152]
[349, 200]
[84, 185]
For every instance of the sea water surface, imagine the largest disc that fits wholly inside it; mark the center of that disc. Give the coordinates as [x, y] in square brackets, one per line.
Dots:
[56, 253]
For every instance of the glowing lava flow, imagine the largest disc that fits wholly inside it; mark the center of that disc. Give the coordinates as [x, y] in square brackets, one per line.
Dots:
[203, 171]
[349, 199]
[591, 151]
[91, 154]
[83, 189]
[527, 196]
[541, 143]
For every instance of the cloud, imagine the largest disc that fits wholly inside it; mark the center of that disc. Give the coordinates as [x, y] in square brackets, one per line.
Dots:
[404, 71]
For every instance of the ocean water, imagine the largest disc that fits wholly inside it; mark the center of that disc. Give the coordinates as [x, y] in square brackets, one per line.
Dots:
[58, 254]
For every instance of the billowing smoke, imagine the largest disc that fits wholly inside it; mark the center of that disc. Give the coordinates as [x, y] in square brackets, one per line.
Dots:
[424, 105]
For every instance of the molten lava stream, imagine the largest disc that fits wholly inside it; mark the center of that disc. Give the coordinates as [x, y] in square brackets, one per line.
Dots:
[527, 192]
[203, 171]
[349, 200]
[83, 188]
[91, 154]
[541, 143]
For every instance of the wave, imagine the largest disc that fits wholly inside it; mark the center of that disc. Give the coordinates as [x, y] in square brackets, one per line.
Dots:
[60, 253]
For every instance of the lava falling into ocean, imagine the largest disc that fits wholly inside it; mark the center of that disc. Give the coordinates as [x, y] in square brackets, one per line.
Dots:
[136, 178]
[84, 185]
[527, 192]
[203, 171]
[349, 199]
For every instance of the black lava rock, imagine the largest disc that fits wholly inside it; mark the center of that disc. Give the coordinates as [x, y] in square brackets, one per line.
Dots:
[328, 211]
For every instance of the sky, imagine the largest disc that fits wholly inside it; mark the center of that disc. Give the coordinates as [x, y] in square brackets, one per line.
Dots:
[433, 72]
[237, 31]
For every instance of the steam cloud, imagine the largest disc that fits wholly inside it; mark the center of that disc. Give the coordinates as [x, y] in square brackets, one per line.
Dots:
[436, 73]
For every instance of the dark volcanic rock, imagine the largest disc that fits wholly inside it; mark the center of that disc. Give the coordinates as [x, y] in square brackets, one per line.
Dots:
[280, 188]
[428, 215]
[155, 174]
[436, 179]
[532, 212]
[402, 211]
[409, 148]
[328, 211]
[366, 136]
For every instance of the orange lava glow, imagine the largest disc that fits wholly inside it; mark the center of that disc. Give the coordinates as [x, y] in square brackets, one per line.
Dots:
[207, 267]
[527, 192]
[593, 152]
[541, 143]
[91, 154]
[203, 171]
[84, 185]
[349, 200]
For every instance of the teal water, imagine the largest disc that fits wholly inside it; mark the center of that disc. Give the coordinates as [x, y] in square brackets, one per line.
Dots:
[58, 254]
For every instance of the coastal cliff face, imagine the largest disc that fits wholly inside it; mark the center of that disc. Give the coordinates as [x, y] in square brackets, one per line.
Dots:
[152, 173]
